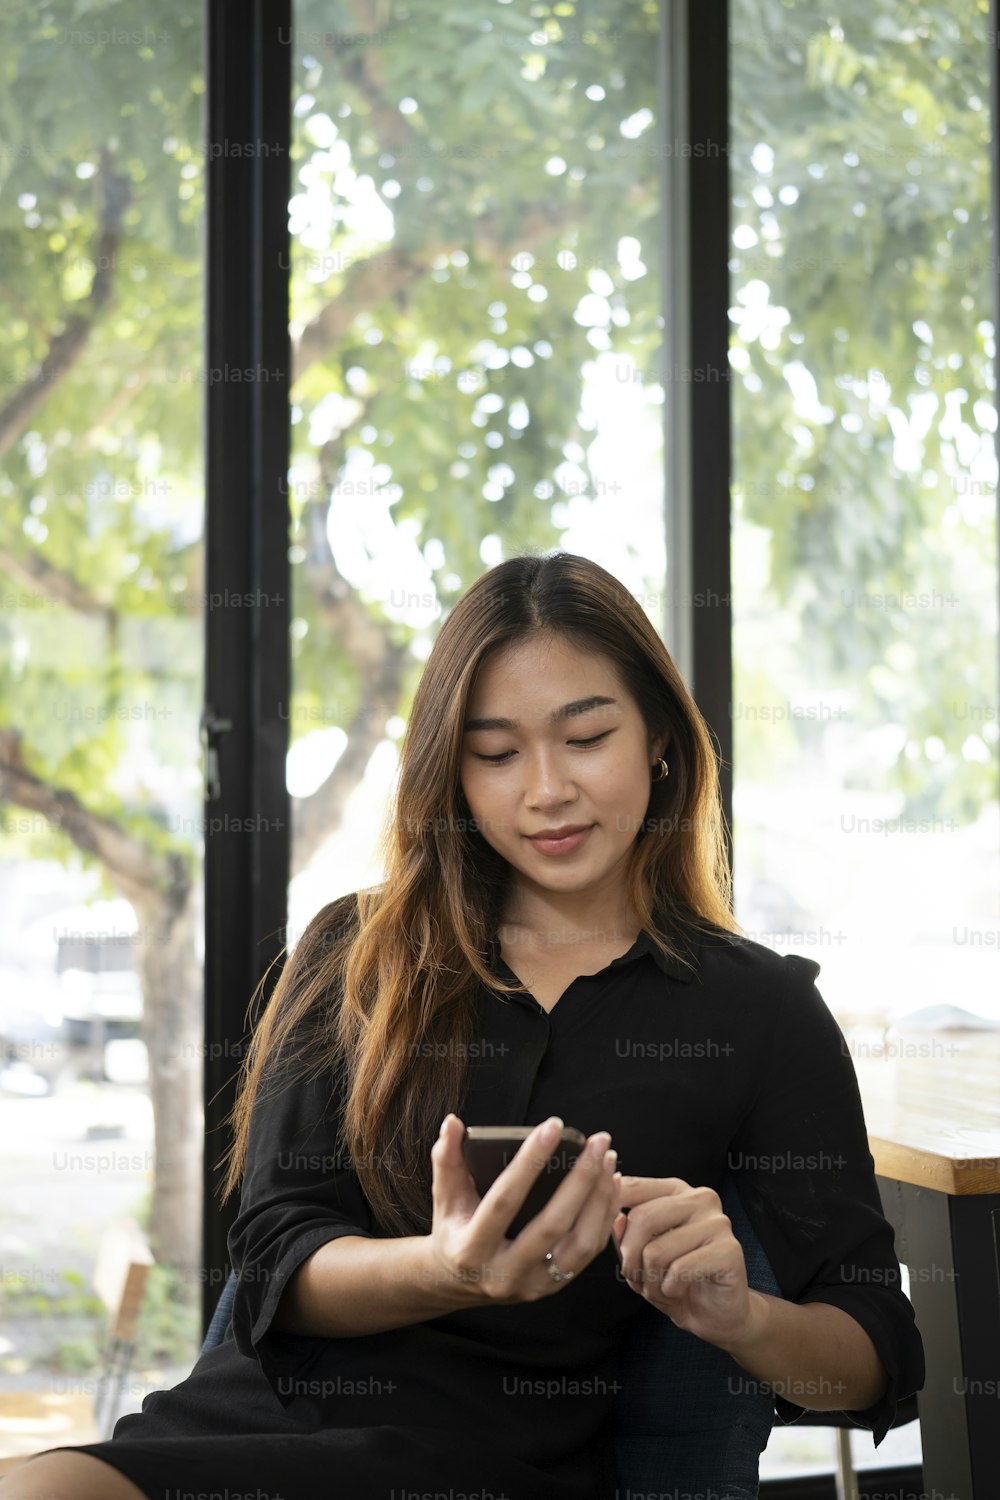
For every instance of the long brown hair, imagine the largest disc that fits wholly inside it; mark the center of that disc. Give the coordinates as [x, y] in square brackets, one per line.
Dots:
[379, 988]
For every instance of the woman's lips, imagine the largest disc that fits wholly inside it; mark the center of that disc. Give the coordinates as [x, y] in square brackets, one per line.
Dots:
[560, 846]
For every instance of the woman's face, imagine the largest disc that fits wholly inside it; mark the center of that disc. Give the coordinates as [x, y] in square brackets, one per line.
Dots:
[573, 753]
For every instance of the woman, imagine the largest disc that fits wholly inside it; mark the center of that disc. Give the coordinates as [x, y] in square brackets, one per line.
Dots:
[552, 939]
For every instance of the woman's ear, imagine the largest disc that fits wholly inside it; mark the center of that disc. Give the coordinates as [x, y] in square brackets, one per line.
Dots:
[660, 744]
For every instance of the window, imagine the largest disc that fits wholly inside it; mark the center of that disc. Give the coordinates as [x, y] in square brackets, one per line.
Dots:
[864, 498]
[101, 517]
[863, 517]
[475, 219]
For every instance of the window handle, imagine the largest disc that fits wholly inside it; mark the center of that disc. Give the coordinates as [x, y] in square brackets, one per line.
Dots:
[211, 728]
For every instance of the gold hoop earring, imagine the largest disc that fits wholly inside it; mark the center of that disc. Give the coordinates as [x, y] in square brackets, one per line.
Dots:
[664, 773]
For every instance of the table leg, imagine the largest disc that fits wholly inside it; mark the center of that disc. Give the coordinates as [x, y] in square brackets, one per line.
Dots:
[949, 1244]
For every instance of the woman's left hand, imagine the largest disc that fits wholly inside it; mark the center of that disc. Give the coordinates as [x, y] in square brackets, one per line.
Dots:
[678, 1250]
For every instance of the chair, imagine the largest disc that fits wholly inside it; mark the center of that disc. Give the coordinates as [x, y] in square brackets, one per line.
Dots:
[687, 1413]
[31, 1421]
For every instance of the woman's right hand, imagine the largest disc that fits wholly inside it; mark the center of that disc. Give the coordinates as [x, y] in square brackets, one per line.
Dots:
[468, 1233]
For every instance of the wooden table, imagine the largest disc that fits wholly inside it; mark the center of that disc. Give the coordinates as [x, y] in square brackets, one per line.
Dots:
[932, 1108]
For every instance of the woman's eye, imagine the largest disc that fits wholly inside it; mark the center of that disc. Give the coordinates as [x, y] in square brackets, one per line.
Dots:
[498, 760]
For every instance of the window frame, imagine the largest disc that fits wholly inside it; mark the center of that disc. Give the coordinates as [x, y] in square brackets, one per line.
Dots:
[247, 661]
[247, 436]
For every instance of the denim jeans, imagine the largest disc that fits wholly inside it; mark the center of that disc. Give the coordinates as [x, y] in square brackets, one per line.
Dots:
[690, 1420]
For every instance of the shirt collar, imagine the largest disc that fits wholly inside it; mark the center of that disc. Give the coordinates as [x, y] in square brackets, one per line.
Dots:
[642, 945]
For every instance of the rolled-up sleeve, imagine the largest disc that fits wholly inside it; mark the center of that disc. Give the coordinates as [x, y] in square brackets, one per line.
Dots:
[808, 1183]
[299, 1191]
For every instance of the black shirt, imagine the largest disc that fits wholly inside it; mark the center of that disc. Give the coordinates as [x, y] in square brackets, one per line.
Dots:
[740, 1066]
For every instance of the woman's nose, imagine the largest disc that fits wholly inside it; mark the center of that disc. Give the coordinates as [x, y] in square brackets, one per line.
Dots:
[547, 778]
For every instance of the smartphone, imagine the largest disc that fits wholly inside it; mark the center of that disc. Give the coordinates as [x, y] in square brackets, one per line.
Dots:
[489, 1148]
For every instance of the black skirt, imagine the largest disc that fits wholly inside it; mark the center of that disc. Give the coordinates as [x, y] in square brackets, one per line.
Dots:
[222, 1434]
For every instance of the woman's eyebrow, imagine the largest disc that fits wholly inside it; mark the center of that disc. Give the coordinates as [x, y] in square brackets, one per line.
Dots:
[568, 710]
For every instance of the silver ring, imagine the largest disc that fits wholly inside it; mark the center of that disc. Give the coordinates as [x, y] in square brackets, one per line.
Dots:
[553, 1269]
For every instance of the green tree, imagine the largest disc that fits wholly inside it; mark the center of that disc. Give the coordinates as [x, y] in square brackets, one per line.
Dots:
[861, 172]
[516, 150]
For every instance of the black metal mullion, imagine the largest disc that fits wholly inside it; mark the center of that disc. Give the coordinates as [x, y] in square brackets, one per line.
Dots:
[698, 623]
[247, 579]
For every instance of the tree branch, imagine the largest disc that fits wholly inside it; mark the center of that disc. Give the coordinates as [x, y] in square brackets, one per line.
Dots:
[380, 663]
[384, 274]
[362, 68]
[134, 870]
[125, 393]
[57, 586]
[65, 347]
[387, 274]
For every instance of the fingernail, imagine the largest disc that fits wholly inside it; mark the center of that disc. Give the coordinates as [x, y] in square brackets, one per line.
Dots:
[444, 1124]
